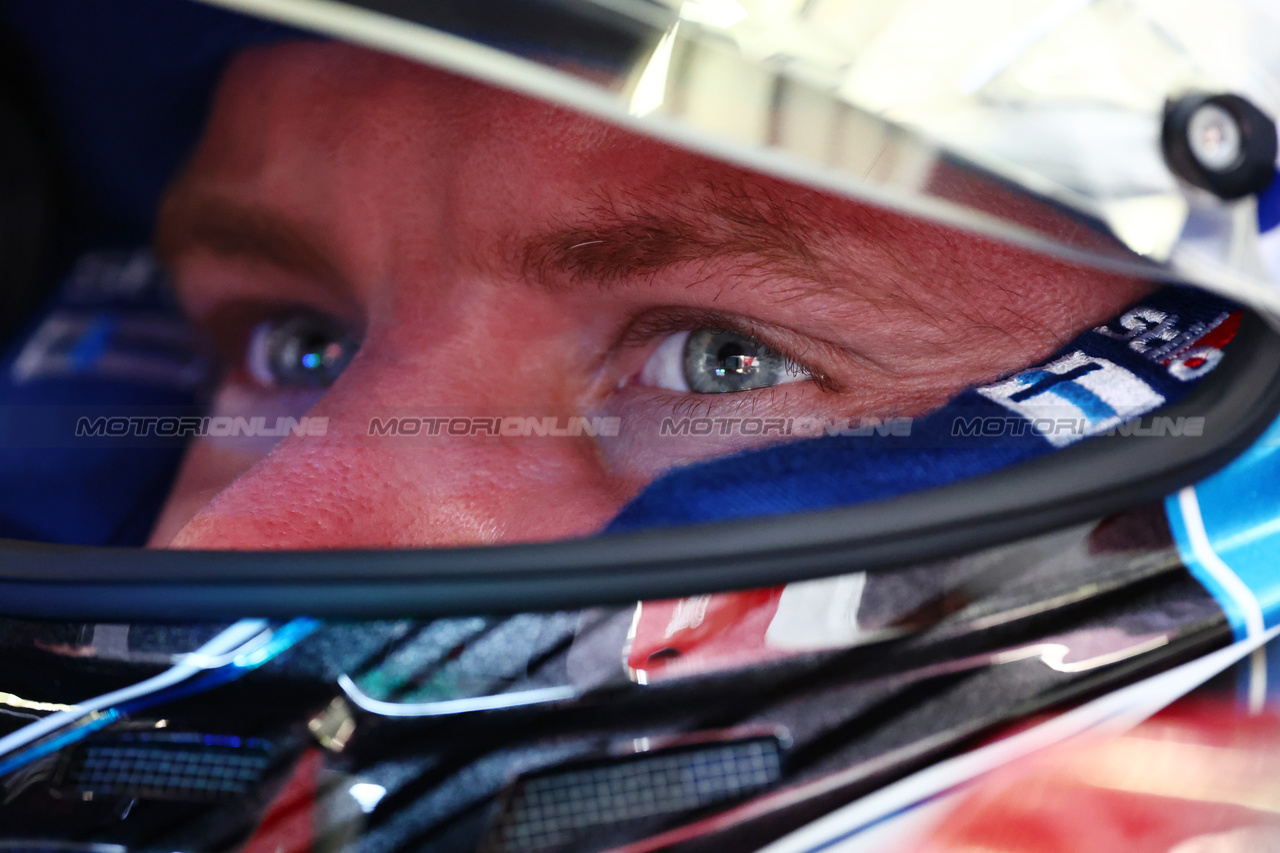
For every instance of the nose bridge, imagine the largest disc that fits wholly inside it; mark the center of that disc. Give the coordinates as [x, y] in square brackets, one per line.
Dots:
[432, 469]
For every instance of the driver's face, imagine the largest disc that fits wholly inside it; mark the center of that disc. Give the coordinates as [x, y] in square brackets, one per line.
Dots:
[498, 256]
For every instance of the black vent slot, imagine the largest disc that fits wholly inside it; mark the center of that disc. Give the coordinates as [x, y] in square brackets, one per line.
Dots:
[156, 766]
[568, 807]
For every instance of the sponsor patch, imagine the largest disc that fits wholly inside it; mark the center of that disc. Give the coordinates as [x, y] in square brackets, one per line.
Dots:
[1080, 387]
[120, 326]
[1188, 350]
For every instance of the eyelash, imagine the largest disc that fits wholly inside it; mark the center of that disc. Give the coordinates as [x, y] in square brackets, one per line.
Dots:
[740, 404]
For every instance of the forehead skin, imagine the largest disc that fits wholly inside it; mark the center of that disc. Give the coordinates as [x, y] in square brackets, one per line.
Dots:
[488, 244]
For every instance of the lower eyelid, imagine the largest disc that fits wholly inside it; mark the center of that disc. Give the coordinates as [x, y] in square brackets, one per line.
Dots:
[759, 401]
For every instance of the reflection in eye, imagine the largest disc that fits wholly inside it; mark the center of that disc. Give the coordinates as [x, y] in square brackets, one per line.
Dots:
[715, 361]
[300, 350]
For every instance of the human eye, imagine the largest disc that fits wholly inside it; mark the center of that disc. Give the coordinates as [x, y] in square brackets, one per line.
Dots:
[299, 349]
[717, 361]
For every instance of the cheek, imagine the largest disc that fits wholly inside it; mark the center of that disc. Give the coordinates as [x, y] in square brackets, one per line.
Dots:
[206, 470]
[232, 447]
[408, 491]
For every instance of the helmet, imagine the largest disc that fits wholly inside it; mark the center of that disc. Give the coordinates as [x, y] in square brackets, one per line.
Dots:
[1074, 201]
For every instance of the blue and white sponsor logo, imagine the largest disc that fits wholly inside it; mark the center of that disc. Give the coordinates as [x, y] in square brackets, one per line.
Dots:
[1086, 389]
[115, 322]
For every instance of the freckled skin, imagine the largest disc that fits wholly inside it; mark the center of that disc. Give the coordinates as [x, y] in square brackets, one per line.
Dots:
[418, 184]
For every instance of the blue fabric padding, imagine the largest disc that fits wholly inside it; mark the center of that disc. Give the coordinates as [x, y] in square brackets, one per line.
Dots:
[129, 84]
[841, 470]
[110, 342]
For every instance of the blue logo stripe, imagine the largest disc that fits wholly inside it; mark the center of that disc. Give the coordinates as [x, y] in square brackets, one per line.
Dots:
[1093, 406]
[93, 342]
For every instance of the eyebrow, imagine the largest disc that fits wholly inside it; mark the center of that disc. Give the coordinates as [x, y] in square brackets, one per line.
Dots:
[639, 234]
[194, 219]
[617, 238]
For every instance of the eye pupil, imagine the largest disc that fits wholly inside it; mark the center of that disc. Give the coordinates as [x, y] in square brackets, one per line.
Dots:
[321, 352]
[735, 361]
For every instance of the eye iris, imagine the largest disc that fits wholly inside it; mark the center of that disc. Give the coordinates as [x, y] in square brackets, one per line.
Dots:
[718, 362]
[308, 351]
